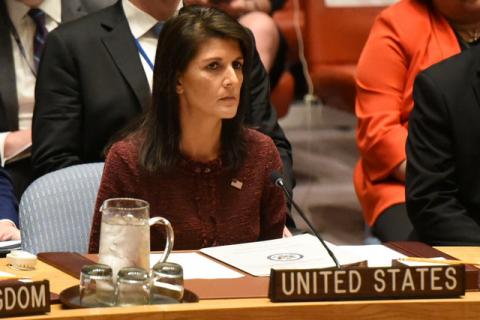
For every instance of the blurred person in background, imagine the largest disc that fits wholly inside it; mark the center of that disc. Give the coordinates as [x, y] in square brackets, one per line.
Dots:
[24, 26]
[443, 172]
[405, 39]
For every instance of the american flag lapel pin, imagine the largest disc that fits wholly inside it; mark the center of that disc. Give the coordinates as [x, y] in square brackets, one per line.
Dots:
[237, 184]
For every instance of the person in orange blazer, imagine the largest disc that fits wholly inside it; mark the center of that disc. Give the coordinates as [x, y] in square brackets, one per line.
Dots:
[405, 39]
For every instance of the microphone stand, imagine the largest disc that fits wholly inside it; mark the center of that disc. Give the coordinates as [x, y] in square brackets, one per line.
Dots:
[278, 180]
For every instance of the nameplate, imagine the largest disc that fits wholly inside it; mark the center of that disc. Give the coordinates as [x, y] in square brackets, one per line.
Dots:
[358, 283]
[19, 298]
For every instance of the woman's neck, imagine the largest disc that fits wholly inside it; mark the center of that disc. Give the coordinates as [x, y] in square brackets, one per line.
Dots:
[200, 138]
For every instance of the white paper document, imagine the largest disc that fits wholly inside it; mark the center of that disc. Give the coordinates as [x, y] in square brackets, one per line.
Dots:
[377, 255]
[10, 244]
[196, 266]
[302, 251]
[5, 275]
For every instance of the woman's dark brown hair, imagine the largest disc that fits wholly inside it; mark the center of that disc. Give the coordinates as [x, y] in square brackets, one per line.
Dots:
[179, 42]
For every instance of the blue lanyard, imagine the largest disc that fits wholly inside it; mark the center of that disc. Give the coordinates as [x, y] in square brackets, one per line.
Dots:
[143, 53]
[20, 46]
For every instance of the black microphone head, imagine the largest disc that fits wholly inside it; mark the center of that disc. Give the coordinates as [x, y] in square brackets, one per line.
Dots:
[276, 178]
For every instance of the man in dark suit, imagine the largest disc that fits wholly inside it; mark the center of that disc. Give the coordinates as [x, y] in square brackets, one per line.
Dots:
[95, 77]
[443, 152]
[18, 29]
[8, 209]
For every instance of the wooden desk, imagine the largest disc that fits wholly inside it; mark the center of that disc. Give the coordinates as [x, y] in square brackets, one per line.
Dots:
[462, 253]
[467, 307]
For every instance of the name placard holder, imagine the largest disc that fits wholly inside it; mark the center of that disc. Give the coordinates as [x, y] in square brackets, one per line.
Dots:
[357, 283]
[19, 298]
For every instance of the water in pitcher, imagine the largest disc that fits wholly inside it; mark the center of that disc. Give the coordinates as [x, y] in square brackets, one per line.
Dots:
[125, 242]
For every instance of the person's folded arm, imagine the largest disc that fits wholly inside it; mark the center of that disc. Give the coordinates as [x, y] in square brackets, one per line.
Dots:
[432, 191]
[381, 76]
[57, 117]
[235, 8]
[8, 209]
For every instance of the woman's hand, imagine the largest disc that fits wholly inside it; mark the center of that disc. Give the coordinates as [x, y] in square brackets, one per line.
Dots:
[16, 141]
[286, 233]
[400, 171]
[8, 231]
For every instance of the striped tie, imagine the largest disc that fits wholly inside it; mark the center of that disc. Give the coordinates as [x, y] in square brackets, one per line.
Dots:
[41, 32]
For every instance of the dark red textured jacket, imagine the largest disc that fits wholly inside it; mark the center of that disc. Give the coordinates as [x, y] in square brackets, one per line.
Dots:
[201, 200]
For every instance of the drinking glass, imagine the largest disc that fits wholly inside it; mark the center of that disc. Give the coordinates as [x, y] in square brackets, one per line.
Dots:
[132, 287]
[166, 279]
[96, 285]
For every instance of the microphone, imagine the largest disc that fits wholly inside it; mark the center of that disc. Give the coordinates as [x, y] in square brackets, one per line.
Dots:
[278, 181]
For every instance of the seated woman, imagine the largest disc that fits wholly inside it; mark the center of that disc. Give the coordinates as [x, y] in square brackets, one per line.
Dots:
[191, 157]
[405, 39]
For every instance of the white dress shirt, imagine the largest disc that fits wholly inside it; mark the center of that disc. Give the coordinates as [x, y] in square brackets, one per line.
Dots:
[25, 79]
[141, 24]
